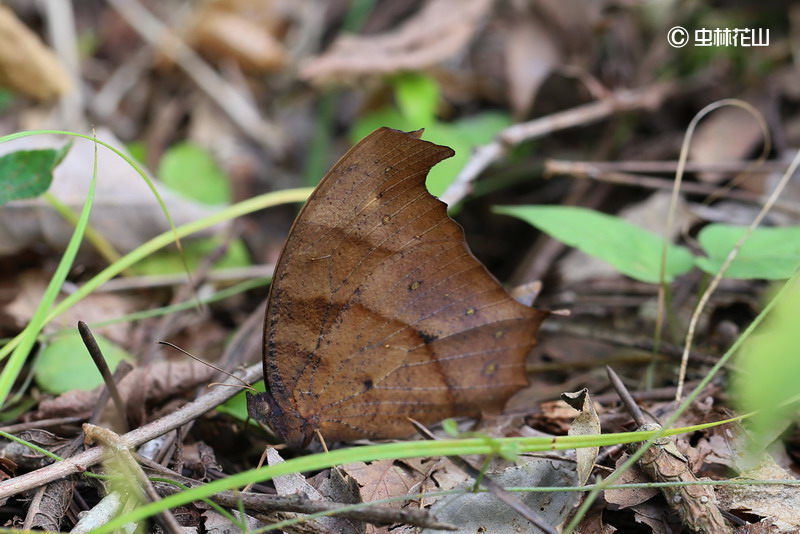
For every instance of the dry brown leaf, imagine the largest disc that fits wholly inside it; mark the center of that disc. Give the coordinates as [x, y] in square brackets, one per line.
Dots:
[728, 134]
[241, 30]
[627, 498]
[431, 36]
[295, 483]
[30, 287]
[125, 211]
[381, 479]
[587, 422]
[531, 55]
[26, 64]
[147, 384]
[779, 505]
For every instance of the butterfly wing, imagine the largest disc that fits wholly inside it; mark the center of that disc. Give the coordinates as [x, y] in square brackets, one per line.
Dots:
[379, 312]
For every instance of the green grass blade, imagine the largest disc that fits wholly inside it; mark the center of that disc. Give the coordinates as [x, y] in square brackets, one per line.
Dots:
[40, 317]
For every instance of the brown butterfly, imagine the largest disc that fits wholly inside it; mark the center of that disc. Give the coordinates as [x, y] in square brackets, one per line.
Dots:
[378, 311]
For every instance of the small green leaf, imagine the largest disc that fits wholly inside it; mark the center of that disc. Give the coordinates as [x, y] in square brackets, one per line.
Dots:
[450, 428]
[65, 365]
[769, 253]
[236, 406]
[631, 250]
[28, 173]
[190, 170]
[169, 261]
[417, 97]
[768, 366]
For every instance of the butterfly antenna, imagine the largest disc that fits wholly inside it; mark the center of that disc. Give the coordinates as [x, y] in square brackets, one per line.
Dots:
[223, 371]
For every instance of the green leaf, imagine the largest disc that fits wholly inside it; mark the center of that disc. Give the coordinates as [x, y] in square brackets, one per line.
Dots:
[169, 261]
[631, 250]
[28, 173]
[65, 365]
[463, 137]
[237, 406]
[417, 97]
[769, 365]
[769, 253]
[450, 427]
[190, 170]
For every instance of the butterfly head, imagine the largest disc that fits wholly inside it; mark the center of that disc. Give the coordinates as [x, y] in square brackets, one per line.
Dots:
[294, 431]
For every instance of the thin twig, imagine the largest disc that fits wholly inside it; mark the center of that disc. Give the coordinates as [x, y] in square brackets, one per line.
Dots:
[263, 503]
[100, 362]
[603, 173]
[618, 101]
[80, 462]
[230, 99]
[626, 397]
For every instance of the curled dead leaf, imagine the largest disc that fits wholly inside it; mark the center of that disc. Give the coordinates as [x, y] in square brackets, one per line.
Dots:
[429, 37]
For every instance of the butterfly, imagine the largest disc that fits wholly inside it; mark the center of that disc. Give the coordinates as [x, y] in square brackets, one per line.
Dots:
[378, 311]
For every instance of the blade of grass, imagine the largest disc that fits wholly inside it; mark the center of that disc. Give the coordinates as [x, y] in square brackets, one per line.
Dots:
[29, 335]
[399, 450]
[242, 208]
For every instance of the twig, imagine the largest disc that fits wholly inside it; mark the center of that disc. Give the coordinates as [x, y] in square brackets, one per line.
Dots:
[556, 166]
[102, 366]
[663, 462]
[261, 503]
[230, 99]
[618, 101]
[621, 338]
[41, 423]
[264, 503]
[626, 397]
[581, 169]
[134, 438]
[61, 29]
[497, 490]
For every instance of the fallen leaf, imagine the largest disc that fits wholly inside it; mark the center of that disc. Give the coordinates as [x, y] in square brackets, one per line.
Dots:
[26, 64]
[728, 134]
[483, 512]
[531, 55]
[586, 423]
[241, 30]
[295, 483]
[427, 38]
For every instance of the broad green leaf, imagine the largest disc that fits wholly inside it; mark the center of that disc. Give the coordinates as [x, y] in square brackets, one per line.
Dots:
[65, 365]
[28, 173]
[417, 97]
[169, 261]
[768, 369]
[631, 250]
[190, 170]
[769, 253]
